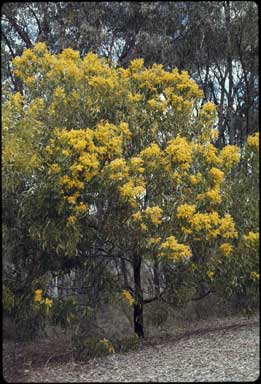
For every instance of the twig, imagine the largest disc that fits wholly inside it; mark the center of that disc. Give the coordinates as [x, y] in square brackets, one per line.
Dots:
[57, 355]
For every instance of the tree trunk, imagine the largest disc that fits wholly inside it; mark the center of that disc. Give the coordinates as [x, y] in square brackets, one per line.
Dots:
[138, 297]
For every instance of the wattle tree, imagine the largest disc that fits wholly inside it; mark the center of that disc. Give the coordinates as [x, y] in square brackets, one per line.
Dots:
[117, 160]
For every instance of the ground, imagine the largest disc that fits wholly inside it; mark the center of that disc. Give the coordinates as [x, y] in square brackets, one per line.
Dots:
[211, 350]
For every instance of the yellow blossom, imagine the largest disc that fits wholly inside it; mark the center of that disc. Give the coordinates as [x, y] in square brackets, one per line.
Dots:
[194, 179]
[254, 275]
[55, 168]
[136, 64]
[154, 240]
[209, 151]
[72, 199]
[253, 141]
[180, 150]
[210, 274]
[38, 295]
[71, 220]
[186, 210]
[134, 97]
[130, 190]
[81, 208]
[226, 249]
[143, 227]
[251, 239]
[227, 227]
[208, 107]
[17, 99]
[150, 151]
[48, 302]
[154, 214]
[217, 174]
[229, 156]
[128, 297]
[65, 152]
[40, 47]
[137, 216]
[214, 133]
[108, 345]
[173, 250]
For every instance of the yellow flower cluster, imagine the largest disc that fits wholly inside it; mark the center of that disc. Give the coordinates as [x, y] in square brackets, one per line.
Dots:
[226, 249]
[71, 220]
[217, 175]
[149, 215]
[54, 168]
[39, 299]
[108, 345]
[136, 164]
[48, 302]
[38, 295]
[130, 190]
[128, 297]
[253, 141]
[85, 150]
[254, 275]
[227, 227]
[180, 150]
[229, 156]
[153, 241]
[151, 151]
[208, 108]
[17, 100]
[212, 195]
[117, 170]
[251, 239]
[170, 248]
[81, 208]
[185, 211]
[195, 179]
[209, 153]
[210, 274]
[134, 98]
[154, 214]
[214, 133]
[212, 224]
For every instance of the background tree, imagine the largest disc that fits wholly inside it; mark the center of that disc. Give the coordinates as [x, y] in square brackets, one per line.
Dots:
[216, 42]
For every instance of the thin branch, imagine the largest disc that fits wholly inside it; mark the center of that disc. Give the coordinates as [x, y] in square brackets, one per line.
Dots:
[24, 36]
[202, 296]
[8, 43]
[37, 20]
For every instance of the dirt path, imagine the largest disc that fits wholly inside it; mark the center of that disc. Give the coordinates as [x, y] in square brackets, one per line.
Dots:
[229, 353]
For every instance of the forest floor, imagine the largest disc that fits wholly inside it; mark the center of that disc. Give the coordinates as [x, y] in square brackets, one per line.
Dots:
[211, 350]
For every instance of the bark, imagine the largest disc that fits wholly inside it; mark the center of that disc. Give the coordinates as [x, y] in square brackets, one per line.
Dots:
[230, 75]
[156, 274]
[124, 272]
[138, 297]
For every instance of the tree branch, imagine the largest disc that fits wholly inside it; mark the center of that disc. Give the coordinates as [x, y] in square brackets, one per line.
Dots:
[24, 36]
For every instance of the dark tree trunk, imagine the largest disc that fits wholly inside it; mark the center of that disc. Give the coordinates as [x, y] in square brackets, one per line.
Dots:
[138, 297]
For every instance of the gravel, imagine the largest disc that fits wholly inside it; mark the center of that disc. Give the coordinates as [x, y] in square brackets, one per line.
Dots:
[229, 354]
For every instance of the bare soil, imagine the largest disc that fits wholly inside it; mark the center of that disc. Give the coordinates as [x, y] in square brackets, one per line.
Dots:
[211, 350]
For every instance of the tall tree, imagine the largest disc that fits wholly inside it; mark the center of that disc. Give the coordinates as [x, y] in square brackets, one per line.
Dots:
[120, 161]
